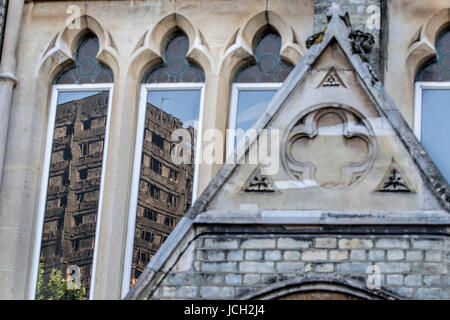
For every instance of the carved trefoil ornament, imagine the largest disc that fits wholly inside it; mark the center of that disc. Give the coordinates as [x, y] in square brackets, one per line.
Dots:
[259, 182]
[332, 79]
[395, 181]
[330, 146]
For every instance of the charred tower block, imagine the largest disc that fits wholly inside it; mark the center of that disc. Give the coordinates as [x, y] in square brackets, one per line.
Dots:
[165, 188]
[74, 185]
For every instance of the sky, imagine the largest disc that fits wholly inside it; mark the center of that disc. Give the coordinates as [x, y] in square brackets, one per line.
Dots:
[67, 96]
[183, 104]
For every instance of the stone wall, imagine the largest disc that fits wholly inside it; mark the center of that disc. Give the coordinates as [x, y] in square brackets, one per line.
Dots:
[3, 7]
[238, 263]
[362, 16]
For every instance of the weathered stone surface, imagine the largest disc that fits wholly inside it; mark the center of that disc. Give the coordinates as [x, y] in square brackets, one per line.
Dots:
[289, 243]
[325, 243]
[216, 292]
[290, 266]
[258, 244]
[218, 244]
[324, 267]
[376, 255]
[338, 255]
[255, 267]
[414, 255]
[392, 243]
[384, 226]
[219, 266]
[421, 254]
[355, 243]
[314, 255]
[395, 255]
[413, 280]
[292, 255]
[253, 255]
[395, 279]
[358, 255]
[272, 255]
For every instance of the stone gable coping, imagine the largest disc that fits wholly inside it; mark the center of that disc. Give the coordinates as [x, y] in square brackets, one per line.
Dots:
[339, 30]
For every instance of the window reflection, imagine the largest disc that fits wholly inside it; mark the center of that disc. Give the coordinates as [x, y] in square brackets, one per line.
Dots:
[165, 186]
[435, 104]
[435, 128]
[255, 83]
[251, 104]
[72, 197]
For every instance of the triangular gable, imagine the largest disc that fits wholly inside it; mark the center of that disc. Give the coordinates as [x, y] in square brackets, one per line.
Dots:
[388, 177]
[359, 116]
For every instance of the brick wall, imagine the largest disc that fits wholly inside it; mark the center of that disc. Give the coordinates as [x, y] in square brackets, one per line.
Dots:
[224, 266]
[3, 7]
[360, 12]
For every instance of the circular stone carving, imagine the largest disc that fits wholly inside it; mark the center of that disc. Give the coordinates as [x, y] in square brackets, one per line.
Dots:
[330, 146]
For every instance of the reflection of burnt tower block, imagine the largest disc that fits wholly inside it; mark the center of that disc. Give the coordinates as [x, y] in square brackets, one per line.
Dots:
[165, 188]
[74, 185]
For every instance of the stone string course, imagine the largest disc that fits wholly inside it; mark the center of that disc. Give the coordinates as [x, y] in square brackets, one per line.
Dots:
[224, 267]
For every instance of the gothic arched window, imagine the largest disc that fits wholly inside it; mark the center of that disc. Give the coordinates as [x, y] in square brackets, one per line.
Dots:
[86, 68]
[267, 66]
[432, 104]
[256, 83]
[75, 152]
[176, 67]
[166, 147]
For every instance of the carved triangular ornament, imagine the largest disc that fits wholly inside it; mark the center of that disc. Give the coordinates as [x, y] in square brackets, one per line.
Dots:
[259, 182]
[332, 79]
[395, 181]
[334, 166]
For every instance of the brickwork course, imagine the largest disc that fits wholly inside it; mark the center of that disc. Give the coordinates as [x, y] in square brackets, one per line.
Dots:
[283, 243]
[225, 267]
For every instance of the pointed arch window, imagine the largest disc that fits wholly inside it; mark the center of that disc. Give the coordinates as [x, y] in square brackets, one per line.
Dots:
[255, 83]
[267, 67]
[86, 68]
[166, 148]
[73, 170]
[432, 104]
[176, 67]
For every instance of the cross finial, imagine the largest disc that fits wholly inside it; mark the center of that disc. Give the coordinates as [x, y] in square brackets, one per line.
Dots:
[335, 10]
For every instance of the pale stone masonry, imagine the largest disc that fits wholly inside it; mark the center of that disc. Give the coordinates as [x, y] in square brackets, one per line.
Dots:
[36, 46]
[363, 239]
[365, 15]
[226, 267]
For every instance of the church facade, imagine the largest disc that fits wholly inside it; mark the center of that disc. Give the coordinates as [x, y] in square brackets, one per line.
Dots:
[120, 166]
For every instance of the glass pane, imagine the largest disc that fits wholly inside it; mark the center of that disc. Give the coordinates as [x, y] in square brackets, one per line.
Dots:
[165, 186]
[86, 68]
[251, 104]
[435, 128]
[72, 197]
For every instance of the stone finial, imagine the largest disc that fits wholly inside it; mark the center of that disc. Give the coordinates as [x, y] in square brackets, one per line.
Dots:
[336, 10]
